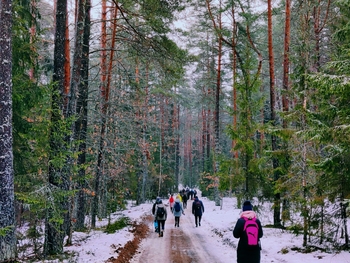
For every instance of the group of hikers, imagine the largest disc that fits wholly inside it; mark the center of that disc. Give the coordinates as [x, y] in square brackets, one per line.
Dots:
[248, 228]
[177, 204]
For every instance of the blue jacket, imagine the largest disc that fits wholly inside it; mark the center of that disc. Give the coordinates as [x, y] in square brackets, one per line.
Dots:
[181, 208]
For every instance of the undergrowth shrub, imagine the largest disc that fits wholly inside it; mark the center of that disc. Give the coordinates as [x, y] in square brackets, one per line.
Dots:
[119, 224]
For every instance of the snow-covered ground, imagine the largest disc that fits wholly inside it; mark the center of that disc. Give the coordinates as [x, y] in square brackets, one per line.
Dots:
[97, 246]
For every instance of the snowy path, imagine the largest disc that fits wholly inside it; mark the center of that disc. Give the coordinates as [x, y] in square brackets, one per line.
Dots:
[184, 244]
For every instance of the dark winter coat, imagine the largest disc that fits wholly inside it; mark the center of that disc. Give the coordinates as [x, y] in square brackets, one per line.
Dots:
[164, 217]
[197, 212]
[246, 253]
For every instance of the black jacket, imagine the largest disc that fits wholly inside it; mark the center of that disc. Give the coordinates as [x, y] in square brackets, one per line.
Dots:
[246, 253]
[195, 211]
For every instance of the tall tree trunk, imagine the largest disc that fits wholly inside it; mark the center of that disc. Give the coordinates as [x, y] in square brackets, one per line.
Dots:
[209, 138]
[161, 141]
[58, 180]
[217, 114]
[277, 205]
[234, 91]
[7, 199]
[203, 139]
[285, 86]
[174, 139]
[140, 137]
[285, 101]
[105, 89]
[33, 12]
[177, 144]
[217, 98]
[67, 73]
[190, 168]
[81, 122]
[318, 27]
[76, 82]
[145, 145]
[103, 64]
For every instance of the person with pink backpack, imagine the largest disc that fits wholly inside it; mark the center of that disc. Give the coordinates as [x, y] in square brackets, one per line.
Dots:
[249, 231]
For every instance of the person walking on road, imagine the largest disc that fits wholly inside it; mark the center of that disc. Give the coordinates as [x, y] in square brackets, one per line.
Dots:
[153, 213]
[249, 231]
[178, 196]
[160, 216]
[184, 200]
[178, 211]
[197, 210]
[171, 202]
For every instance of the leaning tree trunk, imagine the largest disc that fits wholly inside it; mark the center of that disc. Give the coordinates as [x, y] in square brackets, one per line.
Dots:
[7, 207]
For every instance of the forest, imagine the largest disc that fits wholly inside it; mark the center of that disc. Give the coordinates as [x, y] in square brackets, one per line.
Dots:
[114, 100]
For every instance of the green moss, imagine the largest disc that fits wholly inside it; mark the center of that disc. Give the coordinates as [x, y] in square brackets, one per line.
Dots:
[119, 224]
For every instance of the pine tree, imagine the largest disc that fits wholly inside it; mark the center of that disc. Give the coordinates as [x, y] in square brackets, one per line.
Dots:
[7, 199]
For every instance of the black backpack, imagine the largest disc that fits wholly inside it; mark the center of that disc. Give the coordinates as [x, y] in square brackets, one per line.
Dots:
[160, 211]
[197, 205]
[177, 207]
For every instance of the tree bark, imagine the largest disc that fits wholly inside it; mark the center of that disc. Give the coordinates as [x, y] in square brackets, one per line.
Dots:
[277, 205]
[67, 75]
[7, 207]
[285, 101]
[177, 144]
[105, 88]
[217, 98]
[81, 122]
[58, 180]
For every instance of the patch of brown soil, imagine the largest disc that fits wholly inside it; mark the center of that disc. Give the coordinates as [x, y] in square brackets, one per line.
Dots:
[140, 231]
[179, 248]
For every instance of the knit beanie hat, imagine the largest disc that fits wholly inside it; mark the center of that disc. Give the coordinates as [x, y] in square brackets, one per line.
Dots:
[247, 206]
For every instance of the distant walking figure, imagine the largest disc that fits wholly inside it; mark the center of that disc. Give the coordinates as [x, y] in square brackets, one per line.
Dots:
[184, 200]
[178, 211]
[197, 210]
[171, 202]
[154, 213]
[160, 216]
[249, 231]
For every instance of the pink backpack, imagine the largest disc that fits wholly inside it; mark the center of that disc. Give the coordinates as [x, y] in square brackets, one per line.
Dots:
[252, 230]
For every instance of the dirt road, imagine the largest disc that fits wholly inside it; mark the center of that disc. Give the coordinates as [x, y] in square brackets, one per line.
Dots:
[184, 244]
